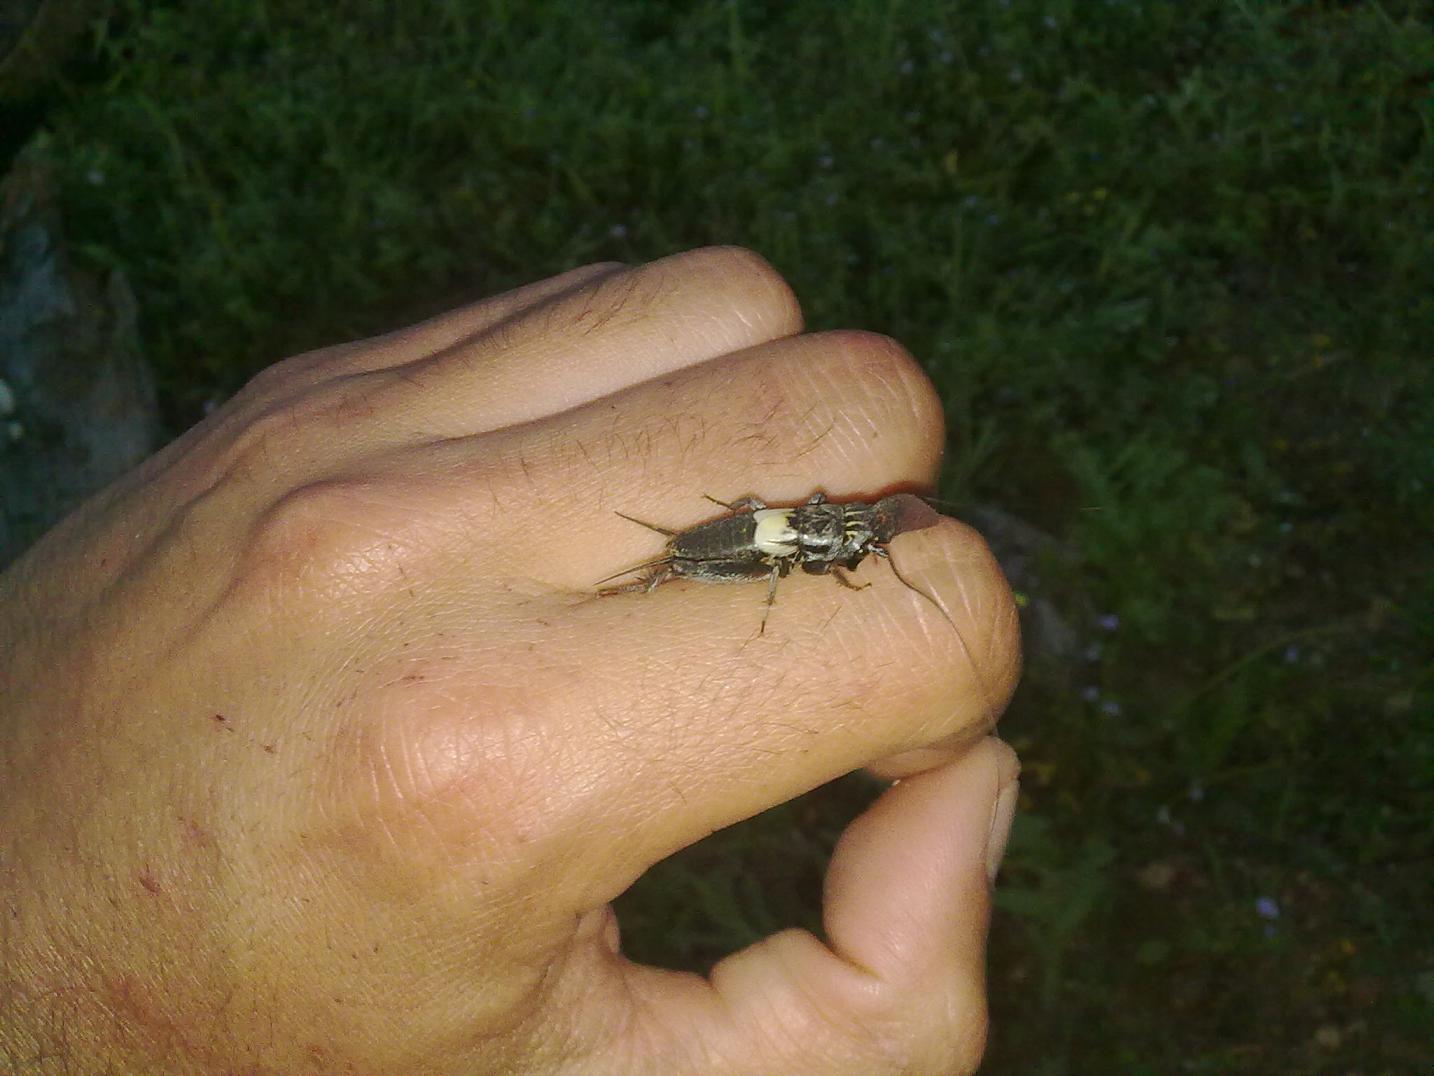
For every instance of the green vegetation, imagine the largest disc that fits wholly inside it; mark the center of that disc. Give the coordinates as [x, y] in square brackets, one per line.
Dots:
[1171, 266]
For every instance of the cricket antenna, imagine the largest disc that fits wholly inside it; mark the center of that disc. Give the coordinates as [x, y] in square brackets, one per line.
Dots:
[666, 558]
[649, 526]
[912, 586]
[965, 647]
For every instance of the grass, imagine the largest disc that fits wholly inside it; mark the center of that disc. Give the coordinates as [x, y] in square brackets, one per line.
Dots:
[1170, 266]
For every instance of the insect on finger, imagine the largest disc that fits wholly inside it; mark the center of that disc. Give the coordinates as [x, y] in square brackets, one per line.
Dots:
[755, 542]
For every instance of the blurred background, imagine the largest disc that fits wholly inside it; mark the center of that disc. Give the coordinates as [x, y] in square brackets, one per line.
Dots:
[1170, 265]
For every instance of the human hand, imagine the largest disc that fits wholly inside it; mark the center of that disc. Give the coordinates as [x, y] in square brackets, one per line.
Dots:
[319, 752]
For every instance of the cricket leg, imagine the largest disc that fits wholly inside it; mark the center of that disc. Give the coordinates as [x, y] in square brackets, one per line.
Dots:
[646, 584]
[842, 578]
[771, 596]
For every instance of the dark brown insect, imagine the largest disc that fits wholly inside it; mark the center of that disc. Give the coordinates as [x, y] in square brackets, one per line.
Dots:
[756, 542]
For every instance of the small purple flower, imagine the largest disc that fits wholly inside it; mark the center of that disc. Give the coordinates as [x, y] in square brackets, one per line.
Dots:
[1108, 621]
[1090, 693]
[1267, 908]
[1292, 654]
[1110, 708]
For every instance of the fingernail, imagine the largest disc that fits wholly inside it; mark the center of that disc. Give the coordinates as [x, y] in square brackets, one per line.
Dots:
[1002, 814]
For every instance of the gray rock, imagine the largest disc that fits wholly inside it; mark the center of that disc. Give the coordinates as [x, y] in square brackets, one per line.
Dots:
[1041, 570]
[81, 398]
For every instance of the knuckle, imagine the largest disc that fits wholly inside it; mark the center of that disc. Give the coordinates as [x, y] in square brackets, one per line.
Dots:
[894, 396]
[749, 279]
[890, 376]
[960, 1052]
[935, 1031]
[266, 442]
[288, 375]
[285, 430]
[272, 379]
[338, 538]
[446, 779]
[735, 261]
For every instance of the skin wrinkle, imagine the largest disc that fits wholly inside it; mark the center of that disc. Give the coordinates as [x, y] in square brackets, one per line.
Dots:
[725, 707]
[886, 622]
[732, 700]
[295, 421]
[846, 439]
[897, 389]
[132, 570]
[837, 1030]
[411, 375]
[915, 406]
[516, 750]
[850, 429]
[810, 1008]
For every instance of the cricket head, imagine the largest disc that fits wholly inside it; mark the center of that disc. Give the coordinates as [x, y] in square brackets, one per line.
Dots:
[900, 513]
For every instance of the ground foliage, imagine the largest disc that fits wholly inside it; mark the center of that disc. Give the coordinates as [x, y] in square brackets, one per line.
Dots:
[1170, 266]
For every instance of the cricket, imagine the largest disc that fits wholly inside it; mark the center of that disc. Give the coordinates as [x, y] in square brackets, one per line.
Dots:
[755, 542]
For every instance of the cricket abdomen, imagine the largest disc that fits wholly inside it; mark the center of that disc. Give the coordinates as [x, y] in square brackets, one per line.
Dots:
[750, 537]
[719, 571]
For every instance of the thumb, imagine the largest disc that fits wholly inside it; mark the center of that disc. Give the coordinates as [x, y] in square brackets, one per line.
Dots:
[900, 984]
